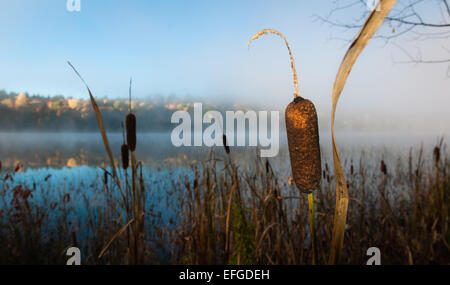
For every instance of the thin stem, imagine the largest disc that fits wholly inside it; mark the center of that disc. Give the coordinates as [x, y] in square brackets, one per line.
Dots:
[294, 71]
[129, 92]
[312, 227]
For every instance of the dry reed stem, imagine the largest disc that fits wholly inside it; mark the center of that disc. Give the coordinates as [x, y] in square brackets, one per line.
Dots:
[369, 28]
[228, 218]
[117, 235]
[264, 32]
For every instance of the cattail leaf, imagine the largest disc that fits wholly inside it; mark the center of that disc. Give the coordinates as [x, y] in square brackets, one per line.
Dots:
[367, 31]
[102, 129]
[117, 235]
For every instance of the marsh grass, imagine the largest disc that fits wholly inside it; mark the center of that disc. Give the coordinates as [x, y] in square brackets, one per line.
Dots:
[403, 211]
[224, 213]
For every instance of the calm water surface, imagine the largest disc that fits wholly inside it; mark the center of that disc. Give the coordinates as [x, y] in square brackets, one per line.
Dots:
[71, 158]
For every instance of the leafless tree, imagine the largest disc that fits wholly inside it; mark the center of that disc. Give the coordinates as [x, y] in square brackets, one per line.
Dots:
[426, 23]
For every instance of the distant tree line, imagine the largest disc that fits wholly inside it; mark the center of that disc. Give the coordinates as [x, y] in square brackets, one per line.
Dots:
[24, 112]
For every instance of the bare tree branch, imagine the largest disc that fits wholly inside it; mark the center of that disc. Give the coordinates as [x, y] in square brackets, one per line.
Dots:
[410, 20]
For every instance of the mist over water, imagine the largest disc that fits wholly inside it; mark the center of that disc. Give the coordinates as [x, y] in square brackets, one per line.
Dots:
[57, 150]
[60, 163]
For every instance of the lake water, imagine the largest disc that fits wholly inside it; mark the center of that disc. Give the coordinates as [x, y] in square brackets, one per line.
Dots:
[73, 158]
[58, 150]
[54, 165]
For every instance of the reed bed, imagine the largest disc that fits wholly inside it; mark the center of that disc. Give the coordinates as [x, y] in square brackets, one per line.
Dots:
[221, 212]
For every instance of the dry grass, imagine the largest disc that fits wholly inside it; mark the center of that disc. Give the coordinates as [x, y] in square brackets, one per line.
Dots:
[403, 210]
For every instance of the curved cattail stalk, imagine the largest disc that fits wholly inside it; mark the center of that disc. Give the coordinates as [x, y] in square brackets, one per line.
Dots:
[303, 132]
[266, 31]
[303, 140]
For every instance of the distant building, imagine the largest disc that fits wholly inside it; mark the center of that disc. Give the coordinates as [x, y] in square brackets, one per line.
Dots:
[73, 103]
[36, 104]
[21, 100]
[8, 103]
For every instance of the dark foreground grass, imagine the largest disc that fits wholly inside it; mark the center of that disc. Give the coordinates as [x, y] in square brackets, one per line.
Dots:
[220, 213]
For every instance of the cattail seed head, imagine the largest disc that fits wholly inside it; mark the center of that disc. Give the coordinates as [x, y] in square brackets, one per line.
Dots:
[437, 155]
[225, 144]
[125, 156]
[105, 177]
[131, 131]
[303, 140]
[383, 167]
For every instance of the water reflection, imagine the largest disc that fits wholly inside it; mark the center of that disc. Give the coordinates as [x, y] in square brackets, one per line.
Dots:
[22, 151]
[56, 150]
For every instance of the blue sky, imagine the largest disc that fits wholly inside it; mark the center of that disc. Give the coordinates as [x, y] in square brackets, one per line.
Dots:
[199, 48]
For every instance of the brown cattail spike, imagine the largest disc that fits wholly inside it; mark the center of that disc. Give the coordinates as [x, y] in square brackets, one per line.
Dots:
[437, 155]
[225, 144]
[303, 140]
[105, 177]
[383, 167]
[131, 126]
[125, 156]
[131, 131]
